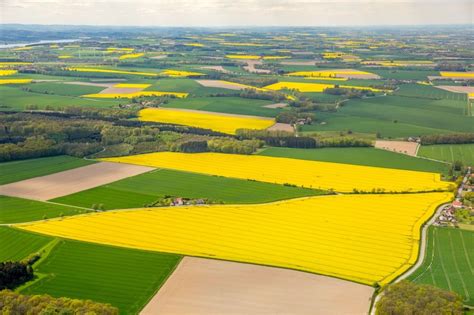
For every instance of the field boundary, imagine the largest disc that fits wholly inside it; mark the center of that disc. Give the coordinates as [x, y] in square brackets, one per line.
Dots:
[421, 255]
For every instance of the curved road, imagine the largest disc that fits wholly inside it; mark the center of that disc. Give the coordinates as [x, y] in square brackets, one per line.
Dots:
[421, 255]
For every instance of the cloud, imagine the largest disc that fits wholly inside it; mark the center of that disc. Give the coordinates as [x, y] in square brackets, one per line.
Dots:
[237, 12]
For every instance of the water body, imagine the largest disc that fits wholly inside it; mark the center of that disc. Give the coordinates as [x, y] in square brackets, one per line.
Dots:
[41, 42]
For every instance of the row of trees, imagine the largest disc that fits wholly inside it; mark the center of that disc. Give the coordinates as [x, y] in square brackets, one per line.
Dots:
[18, 304]
[221, 145]
[288, 139]
[454, 138]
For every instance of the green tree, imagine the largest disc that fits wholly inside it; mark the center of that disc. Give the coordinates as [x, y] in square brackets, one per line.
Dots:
[409, 298]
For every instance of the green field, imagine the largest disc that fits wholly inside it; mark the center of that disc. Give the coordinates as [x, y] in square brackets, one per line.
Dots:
[430, 92]
[449, 262]
[402, 74]
[15, 210]
[19, 170]
[125, 278]
[360, 156]
[186, 85]
[135, 192]
[397, 116]
[14, 98]
[449, 152]
[231, 105]
[387, 129]
[63, 89]
[17, 245]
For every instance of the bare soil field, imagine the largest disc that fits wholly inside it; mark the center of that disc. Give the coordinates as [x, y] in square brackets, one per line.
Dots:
[298, 63]
[250, 67]
[220, 84]
[71, 181]
[435, 77]
[276, 105]
[115, 90]
[281, 127]
[216, 68]
[405, 147]
[210, 287]
[457, 88]
[356, 76]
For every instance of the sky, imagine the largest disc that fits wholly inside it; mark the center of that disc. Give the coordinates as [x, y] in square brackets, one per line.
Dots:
[237, 12]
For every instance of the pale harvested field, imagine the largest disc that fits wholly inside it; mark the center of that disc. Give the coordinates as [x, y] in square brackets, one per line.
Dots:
[298, 63]
[222, 84]
[405, 147]
[106, 85]
[216, 68]
[116, 90]
[276, 105]
[159, 57]
[456, 88]
[436, 77]
[281, 127]
[250, 67]
[71, 181]
[355, 76]
[210, 287]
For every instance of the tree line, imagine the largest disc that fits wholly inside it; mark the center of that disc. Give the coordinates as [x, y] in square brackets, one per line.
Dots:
[454, 138]
[18, 304]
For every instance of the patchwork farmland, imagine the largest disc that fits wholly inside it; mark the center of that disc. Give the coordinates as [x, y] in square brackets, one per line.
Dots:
[246, 171]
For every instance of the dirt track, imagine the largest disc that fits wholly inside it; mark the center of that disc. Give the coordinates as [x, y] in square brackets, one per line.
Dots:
[71, 181]
[211, 287]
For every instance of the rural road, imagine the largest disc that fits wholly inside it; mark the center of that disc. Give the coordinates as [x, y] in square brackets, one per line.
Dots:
[421, 256]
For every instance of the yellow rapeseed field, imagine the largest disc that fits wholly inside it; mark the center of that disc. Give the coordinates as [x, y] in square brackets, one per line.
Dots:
[326, 78]
[116, 49]
[313, 87]
[275, 57]
[242, 56]
[310, 174]
[218, 122]
[110, 71]
[8, 64]
[15, 81]
[135, 94]
[194, 45]
[131, 56]
[364, 238]
[64, 57]
[23, 48]
[180, 73]
[457, 74]
[131, 86]
[332, 55]
[7, 72]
